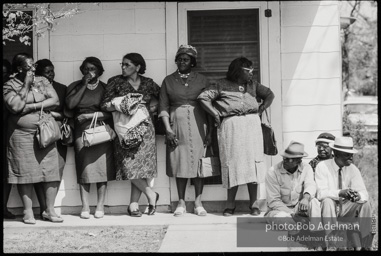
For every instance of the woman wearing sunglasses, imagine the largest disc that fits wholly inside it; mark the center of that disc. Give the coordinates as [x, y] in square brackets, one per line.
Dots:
[233, 100]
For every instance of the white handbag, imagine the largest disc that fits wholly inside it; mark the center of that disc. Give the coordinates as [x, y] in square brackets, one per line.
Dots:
[95, 135]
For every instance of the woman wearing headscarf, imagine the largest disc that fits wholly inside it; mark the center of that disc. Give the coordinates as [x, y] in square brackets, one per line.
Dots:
[186, 126]
[45, 68]
[125, 95]
[240, 140]
[94, 164]
[24, 96]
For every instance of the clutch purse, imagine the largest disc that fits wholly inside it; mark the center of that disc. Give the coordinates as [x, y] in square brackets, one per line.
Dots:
[269, 142]
[48, 131]
[95, 135]
[209, 166]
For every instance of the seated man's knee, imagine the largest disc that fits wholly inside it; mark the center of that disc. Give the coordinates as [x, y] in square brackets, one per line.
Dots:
[328, 202]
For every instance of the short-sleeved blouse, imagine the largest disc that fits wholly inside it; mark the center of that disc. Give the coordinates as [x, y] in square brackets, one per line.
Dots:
[229, 100]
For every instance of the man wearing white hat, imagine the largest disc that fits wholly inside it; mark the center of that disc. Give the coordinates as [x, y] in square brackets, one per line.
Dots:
[323, 149]
[342, 192]
[290, 186]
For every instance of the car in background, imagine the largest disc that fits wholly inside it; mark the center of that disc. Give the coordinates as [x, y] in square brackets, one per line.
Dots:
[365, 110]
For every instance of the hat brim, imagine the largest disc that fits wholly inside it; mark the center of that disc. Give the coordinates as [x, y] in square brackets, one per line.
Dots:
[284, 154]
[324, 140]
[351, 151]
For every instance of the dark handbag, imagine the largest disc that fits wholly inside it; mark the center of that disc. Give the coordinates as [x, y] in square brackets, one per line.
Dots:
[209, 166]
[156, 120]
[97, 134]
[269, 142]
[48, 131]
[67, 137]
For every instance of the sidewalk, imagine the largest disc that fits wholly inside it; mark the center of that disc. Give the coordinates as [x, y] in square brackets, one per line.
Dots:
[189, 233]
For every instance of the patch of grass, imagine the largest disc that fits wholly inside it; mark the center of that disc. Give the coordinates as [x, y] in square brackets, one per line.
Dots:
[367, 161]
[94, 239]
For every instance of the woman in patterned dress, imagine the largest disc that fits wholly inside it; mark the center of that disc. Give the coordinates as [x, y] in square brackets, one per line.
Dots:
[186, 126]
[24, 96]
[240, 139]
[139, 163]
[94, 164]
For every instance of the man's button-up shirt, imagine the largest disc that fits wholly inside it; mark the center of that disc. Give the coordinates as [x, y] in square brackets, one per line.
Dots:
[285, 189]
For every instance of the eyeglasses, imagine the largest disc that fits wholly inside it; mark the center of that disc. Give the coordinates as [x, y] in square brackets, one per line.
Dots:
[125, 65]
[248, 69]
[292, 160]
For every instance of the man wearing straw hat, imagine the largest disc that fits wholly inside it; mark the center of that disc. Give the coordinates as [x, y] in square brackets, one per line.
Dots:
[342, 192]
[290, 186]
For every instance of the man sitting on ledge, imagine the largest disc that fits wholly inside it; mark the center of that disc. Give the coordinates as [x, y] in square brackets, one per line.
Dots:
[342, 192]
[290, 188]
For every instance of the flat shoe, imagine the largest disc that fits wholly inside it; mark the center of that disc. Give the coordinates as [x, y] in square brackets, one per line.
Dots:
[85, 215]
[180, 211]
[152, 208]
[254, 211]
[200, 211]
[228, 212]
[46, 216]
[99, 214]
[135, 213]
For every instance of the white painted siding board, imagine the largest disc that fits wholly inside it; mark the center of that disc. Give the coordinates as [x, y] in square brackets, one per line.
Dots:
[118, 22]
[150, 20]
[307, 3]
[89, 22]
[311, 15]
[310, 118]
[132, 5]
[311, 65]
[311, 92]
[156, 70]
[310, 39]
[64, 73]
[75, 48]
[150, 46]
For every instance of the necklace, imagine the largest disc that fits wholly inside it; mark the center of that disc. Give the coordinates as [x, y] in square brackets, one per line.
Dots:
[184, 76]
[93, 86]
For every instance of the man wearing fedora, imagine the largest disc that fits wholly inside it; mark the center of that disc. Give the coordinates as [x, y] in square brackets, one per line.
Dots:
[290, 187]
[342, 192]
[323, 149]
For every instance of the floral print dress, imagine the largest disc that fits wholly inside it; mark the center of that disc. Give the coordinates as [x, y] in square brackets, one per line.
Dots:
[139, 162]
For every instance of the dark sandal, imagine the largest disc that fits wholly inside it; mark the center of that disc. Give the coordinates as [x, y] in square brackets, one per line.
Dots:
[228, 212]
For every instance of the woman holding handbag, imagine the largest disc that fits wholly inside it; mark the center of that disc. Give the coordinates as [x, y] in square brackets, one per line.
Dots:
[240, 139]
[127, 95]
[45, 68]
[94, 164]
[24, 96]
[186, 126]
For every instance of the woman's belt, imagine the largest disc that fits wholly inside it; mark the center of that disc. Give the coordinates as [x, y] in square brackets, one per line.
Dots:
[193, 103]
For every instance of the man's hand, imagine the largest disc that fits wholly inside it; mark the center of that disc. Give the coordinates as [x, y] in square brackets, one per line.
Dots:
[303, 204]
[345, 193]
[354, 195]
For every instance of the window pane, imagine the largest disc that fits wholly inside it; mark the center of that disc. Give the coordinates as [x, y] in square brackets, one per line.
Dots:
[221, 36]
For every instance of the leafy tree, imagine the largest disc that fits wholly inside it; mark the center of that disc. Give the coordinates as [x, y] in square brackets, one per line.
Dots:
[360, 48]
[17, 23]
